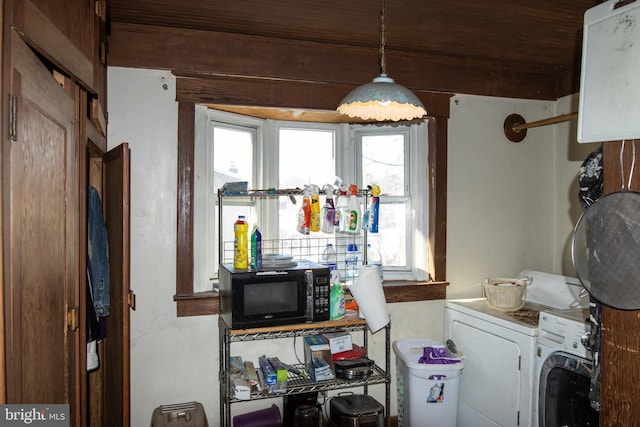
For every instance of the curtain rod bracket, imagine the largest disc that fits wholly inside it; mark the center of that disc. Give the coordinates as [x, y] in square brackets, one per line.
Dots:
[512, 127]
[515, 126]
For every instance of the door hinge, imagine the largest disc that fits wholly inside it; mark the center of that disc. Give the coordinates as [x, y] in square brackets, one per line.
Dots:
[72, 318]
[131, 299]
[101, 9]
[13, 118]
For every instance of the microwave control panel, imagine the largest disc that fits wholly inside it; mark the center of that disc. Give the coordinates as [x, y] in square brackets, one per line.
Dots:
[318, 292]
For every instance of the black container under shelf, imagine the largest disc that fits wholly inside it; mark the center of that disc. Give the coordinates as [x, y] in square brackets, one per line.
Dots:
[356, 410]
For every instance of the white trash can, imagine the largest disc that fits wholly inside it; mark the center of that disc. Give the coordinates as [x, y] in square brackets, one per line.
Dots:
[427, 393]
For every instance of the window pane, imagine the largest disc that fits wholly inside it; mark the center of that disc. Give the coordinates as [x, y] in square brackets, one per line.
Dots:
[232, 161]
[306, 157]
[232, 156]
[391, 240]
[383, 162]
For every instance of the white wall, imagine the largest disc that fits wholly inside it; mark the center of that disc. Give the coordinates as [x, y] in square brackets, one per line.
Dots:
[509, 207]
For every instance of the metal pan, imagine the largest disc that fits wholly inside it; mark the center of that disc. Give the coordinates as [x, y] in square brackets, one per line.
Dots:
[606, 249]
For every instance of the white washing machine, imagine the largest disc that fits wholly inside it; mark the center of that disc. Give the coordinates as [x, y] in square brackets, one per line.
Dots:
[498, 382]
[563, 367]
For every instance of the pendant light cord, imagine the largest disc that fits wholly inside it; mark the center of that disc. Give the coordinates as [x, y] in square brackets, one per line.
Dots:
[383, 61]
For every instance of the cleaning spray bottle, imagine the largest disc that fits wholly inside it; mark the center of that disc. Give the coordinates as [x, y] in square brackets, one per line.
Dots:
[314, 221]
[354, 223]
[375, 209]
[342, 210]
[337, 308]
[256, 248]
[328, 211]
[304, 214]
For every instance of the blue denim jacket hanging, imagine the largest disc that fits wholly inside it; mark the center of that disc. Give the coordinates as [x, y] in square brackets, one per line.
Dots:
[98, 247]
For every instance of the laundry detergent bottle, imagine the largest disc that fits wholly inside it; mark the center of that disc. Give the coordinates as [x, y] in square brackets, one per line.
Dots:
[241, 244]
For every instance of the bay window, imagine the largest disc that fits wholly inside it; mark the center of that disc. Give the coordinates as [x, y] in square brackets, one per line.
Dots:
[289, 155]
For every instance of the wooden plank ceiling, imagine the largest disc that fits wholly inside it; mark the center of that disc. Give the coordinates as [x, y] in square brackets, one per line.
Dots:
[490, 47]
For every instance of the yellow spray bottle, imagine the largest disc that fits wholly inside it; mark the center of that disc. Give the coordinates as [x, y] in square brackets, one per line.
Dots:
[314, 221]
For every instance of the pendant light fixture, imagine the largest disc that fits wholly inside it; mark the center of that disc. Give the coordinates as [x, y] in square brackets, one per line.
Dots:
[382, 99]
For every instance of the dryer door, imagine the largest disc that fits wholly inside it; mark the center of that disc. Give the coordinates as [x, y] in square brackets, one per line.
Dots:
[491, 380]
[564, 392]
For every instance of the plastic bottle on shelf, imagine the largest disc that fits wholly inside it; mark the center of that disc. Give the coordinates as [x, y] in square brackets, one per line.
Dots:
[314, 219]
[375, 209]
[240, 244]
[328, 212]
[341, 218]
[304, 214]
[329, 257]
[374, 259]
[256, 248]
[355, 219]
[337, 305]
[351, 263]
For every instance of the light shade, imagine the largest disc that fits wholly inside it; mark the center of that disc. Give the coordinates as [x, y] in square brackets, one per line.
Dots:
[382, 100]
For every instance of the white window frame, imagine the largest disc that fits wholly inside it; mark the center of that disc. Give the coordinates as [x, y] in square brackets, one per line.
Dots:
[265, 151]
[416, 193]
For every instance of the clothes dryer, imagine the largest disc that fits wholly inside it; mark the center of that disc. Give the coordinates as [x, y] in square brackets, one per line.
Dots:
[498, 382]
[563, 369]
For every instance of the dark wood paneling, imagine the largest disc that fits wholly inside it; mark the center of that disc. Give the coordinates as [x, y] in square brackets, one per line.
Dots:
[204, 303]
[437, 176]
[197, 304]
[186, 150]
[74, 18]
[207, 89]
[491, 43]
[620, 340]
[116, 363]
[301, 61]
[41, 201]
[414, 291]
[51, 42]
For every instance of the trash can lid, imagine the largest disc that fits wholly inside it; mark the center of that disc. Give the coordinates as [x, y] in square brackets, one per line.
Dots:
[409, 352]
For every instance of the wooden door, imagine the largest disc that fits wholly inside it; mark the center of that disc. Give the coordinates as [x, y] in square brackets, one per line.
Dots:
[40, 233]
[116, 404]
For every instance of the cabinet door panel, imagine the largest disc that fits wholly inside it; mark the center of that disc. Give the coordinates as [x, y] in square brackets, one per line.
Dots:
[40, 179]
[116, 200]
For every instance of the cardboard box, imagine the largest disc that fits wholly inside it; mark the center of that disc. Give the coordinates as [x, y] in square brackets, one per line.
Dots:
[317, 358]
[339, 341]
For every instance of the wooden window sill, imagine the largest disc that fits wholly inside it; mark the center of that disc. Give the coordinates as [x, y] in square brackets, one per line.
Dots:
[206, 303]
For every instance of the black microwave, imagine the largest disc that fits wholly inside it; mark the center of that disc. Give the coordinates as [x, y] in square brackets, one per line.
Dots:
[269, 297]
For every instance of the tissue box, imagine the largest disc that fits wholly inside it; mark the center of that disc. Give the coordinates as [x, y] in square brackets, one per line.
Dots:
[339, 341]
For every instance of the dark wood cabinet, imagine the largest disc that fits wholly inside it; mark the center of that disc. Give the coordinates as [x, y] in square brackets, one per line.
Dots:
[53, 148]
[41, 226]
